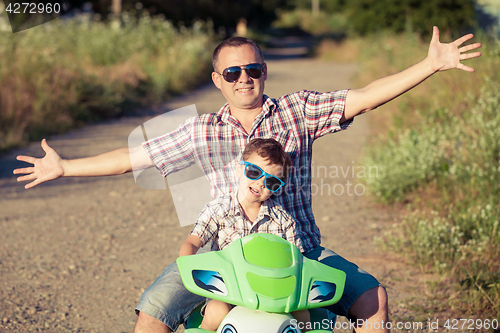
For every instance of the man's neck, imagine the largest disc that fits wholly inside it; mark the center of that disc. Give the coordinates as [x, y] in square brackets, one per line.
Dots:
[246, 117]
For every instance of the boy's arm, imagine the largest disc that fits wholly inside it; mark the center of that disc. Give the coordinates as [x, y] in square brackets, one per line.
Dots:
[190, 246]
[440, 57]
[52, 166]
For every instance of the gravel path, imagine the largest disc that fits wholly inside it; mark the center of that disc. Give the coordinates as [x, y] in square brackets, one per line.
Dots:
[76, 254]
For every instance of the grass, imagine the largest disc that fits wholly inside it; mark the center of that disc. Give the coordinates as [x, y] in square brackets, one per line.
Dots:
[68, 72]
[438, 154]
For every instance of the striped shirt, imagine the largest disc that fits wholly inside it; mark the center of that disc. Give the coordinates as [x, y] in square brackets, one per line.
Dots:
[224, 221]
[215, 142]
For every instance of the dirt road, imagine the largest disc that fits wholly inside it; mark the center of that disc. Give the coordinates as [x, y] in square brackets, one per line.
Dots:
[76, 254]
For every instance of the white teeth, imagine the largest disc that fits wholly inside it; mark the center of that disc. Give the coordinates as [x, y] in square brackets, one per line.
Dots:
[254, 191]
[245, 90]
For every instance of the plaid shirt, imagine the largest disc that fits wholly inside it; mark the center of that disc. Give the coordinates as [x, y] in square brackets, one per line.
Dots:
[223, 221]
[215, 142]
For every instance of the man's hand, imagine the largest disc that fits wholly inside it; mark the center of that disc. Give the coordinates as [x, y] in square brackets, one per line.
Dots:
[448, 56]
[441, 57]
[47, 168]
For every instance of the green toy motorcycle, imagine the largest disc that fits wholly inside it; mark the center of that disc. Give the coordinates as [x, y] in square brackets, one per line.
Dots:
[266, 277]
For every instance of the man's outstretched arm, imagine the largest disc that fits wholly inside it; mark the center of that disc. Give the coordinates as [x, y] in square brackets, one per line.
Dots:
[52, 166]
[440, 57]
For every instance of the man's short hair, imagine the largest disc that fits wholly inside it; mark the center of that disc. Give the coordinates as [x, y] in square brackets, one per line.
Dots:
[235, 42]
[270, 150]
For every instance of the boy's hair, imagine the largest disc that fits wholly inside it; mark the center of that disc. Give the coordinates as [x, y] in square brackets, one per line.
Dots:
[272, 151]
[235, 42]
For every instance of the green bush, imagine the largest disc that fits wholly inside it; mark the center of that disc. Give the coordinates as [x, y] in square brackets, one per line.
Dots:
[443, 164]
[460, 157]
[458, 153]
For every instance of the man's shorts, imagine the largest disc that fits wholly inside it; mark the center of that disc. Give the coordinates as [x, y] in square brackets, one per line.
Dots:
[170, 302]
[357, 280]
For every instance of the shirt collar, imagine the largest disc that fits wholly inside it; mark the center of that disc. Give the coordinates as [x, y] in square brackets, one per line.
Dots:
[236, 210]
[265, 208]
[234, 205]
[268, 105]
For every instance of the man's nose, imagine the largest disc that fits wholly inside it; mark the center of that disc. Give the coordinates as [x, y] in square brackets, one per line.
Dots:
[244, 77]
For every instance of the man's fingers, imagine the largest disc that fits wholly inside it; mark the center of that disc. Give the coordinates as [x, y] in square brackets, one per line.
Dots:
[435, 35]
[463, 39]
[466, 56]
[45, 146]
[27, 159]
[32, 184]
[26, 178]
[469, 47]
[465, 68]
[24, 170]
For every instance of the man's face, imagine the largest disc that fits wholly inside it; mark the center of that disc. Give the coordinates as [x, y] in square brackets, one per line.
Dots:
[246, 93]
[253, 191]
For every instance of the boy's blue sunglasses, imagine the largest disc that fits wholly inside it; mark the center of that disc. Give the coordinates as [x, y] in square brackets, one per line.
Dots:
[253, 172]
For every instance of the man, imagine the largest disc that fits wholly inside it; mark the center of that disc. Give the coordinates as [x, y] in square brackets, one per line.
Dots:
[295, 120]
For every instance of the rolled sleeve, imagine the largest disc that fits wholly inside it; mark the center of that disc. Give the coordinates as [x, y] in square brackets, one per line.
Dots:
[323, 112]
[206, 226]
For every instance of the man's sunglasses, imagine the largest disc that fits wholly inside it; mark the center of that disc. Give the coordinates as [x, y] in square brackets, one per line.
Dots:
[253, 172]
[232, 74]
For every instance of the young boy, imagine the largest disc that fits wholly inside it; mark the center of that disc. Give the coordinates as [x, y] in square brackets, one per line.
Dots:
[262, 172]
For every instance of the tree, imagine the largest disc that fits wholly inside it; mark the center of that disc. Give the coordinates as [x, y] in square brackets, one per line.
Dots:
[368, 16]
[223, 13]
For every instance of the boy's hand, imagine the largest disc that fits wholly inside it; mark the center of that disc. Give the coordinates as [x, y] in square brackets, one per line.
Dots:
[47, 168]
[448, 56]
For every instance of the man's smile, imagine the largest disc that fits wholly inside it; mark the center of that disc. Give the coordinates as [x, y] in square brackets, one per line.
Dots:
[244, 89]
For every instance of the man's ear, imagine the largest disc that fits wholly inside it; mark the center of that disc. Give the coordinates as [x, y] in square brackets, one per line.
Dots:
[265, 72]
[216, 79]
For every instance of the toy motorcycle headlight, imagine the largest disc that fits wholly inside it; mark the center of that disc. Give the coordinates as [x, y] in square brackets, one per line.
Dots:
[289, 329]
[228, 328]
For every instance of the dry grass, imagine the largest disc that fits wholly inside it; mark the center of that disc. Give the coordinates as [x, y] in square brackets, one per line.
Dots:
[65, 73]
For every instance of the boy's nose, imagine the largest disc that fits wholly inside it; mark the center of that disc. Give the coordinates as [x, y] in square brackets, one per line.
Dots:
[260, 182]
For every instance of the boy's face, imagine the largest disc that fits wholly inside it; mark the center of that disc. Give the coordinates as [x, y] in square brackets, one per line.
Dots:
[254, 191]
